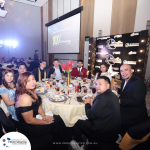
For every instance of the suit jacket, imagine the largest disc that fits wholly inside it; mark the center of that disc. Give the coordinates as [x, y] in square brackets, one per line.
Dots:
[75, 72]
[104, 116]
[36, 74]
[36, 59]
[16, 77]
[52, 69]
[133, 106]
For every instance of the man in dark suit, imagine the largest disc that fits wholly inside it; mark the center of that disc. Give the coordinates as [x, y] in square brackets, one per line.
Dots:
[40, 73]
[132, 99]
[103, 124]
[36, 57]
[55, 70]
[79, 71]
[21, 68]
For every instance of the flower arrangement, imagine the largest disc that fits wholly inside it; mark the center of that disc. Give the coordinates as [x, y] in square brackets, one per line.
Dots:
[67, 67]
[3, 58]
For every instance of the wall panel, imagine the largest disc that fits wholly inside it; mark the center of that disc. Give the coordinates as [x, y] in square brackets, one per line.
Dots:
[123, 16]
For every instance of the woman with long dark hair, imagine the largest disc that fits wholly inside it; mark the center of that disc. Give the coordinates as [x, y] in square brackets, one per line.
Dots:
[28, 105]
[103, 71]
[7, 92]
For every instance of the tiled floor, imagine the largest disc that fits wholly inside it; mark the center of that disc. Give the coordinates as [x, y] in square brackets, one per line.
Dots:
[148, 100]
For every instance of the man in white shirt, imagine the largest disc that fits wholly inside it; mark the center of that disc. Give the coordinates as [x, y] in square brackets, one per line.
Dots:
[55, 70]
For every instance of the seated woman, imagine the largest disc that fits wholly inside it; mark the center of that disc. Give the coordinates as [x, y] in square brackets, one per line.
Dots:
[103, 72]
[7, 92]
[28, 105]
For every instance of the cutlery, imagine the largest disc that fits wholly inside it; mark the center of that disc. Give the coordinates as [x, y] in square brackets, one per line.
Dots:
[65, 101]
[69, 100]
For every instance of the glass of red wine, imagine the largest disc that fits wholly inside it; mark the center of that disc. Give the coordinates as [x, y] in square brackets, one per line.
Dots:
[93, 89]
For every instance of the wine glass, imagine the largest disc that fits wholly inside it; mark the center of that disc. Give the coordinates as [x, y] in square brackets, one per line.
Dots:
[93, 89]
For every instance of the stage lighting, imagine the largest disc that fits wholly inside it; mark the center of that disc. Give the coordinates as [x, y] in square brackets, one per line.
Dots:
[1, 42]
[11, 43]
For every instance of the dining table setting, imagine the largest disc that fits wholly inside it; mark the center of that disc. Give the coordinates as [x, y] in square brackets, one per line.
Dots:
[64, 100]
[4, 66]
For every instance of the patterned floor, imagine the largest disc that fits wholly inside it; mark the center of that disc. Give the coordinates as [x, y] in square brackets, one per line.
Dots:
[148, 100]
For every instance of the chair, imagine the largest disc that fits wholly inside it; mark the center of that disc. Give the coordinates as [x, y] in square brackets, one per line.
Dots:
[36, 143]
[137, 137]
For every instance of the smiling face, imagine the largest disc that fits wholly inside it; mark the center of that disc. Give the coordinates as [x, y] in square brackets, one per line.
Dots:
[31, 83]
[43, 64]
[56, 63]
[9, 77]
[102, 85]
[103, 68]
[21, 69]
[126, 71]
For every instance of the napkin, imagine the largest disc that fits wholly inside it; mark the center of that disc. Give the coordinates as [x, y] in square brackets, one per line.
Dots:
[48, 114]
[70, 85]
[83, 117]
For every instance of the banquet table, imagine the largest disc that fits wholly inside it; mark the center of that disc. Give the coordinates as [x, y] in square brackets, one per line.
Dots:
[68, 111]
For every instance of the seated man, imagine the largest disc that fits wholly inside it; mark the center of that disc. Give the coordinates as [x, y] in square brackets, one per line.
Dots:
[21, 68]
[40, 73]
[79, 71]
[55, 70]
[103, 124]
[132, 99]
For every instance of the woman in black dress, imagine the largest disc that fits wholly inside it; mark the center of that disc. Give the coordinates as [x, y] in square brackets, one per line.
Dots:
[28, 105]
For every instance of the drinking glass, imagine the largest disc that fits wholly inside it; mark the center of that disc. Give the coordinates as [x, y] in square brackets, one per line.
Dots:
[93, 89]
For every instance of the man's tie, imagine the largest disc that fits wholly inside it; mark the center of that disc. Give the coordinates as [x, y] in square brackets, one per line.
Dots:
[79, 70]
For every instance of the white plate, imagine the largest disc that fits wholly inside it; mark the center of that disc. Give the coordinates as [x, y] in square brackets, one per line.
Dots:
[88, 95]
[38, 91]
[78, 78]
[57, 98]
[45, 79]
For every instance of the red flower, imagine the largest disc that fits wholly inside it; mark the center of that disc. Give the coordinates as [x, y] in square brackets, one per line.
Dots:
[68, 66]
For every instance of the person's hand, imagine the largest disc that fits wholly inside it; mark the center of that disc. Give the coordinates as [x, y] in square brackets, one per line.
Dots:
[54, 74]
[91, 103]
[81, 73]
[87, 100]
[62, 74]
[119, 101]
[48, 119]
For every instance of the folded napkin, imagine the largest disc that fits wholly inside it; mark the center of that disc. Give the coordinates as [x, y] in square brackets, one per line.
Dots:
[48, 114]
[83, 117]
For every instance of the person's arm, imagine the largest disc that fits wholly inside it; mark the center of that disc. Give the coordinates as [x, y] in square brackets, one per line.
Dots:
[84, 73]
[95, 110]
[42, 113]
[50, 72]
[61, 71]
[138, 95]
[28, 116]
[6, 99]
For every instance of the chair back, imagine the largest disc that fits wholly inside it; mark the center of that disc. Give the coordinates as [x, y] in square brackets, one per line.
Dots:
[6, 123]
